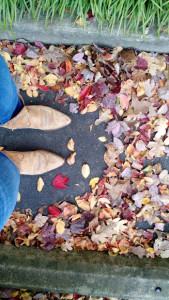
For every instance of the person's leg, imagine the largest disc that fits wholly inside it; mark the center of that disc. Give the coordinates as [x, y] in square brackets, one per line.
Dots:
[9, 187]
[10, 105]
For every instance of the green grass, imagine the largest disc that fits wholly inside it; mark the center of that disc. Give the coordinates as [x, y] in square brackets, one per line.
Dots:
[132, 15]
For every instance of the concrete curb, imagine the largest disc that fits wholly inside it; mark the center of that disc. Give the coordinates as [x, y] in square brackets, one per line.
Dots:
[67, 33]
[85, 273]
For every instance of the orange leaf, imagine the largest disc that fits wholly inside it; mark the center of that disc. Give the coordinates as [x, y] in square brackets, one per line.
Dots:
[68, 66]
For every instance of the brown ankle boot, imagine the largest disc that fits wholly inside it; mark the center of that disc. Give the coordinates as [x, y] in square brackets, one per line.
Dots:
[38, 117]
[35, 162]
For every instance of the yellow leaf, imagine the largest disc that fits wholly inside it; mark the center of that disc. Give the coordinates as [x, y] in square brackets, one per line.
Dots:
[60, 227]
[91, 127]
[19, 197]
[71, 145]
[80, 22]
[93, 182]
[76, 217]
[29, 93]
[83, 204]
[145, 200]
[102, 139]
[51, 79]
[71, 159]
[150, 250]
[35, 93]
[73, 90]
[14, 293]
[5, 55]
[140, 89]
[85, 170]
[40, 184]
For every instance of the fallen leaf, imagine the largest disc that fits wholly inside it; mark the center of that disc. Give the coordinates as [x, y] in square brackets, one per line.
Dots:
[19, 48]
[59, 182]
[85, 170]
[60, 227]
[73, 90]
[93, 182]
[79, 58]
[5, 55]
[51, 79]
[68, 66]
[84, 204]
[92, 107]
[71, 159]
[71, 145]
[54, 211]
[19, 197]
[40, 220]
[80, 22]
[91, 127]
[40, 184]
[102, 139]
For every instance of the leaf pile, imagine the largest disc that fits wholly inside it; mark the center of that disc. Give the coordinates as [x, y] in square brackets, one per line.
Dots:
[6, 293]
[132, 92]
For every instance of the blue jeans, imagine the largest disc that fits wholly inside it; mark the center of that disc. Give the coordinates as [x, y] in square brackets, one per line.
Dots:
[10, 105]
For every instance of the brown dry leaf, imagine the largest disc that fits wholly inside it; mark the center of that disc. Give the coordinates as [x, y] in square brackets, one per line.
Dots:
[93, 106]
[1, 148]
[117, 187]
[84, 204]
[85, 170]
[71, 145]
[111, 156]
[157, 148]
[54, 54]
[139, 106]
[154, 63]
[160, 126]
[104, 116]
[40, 184]
[164, 177]
[71, 159]
[80, 22]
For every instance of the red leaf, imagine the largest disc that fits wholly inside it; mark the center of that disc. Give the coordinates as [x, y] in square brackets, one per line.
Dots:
[142, 64]
[84, 103]
[43, 87]
[19, 48]
[39, 44]
[54, 211]
[59, 182]
[68, 66]
[84, 92]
